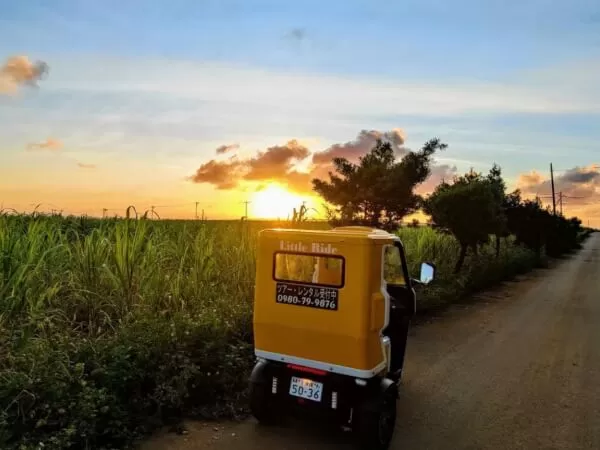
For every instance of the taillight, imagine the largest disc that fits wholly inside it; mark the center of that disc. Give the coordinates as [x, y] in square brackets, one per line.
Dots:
[306, 369]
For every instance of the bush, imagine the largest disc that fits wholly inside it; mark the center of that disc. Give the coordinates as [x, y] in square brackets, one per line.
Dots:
[481, 271]
[111, 327]
[72, 392]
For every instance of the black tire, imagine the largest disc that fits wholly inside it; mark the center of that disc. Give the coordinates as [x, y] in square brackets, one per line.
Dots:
[376, 421]
[261, 404]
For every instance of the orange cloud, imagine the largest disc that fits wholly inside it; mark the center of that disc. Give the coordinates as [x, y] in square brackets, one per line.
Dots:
[530, 179]
[577, 182]
[222, 174]
[579, 188]
[49, 144]
[86, 166]
[280, 163]
[276, 162]
[18, 71]
[273, 164]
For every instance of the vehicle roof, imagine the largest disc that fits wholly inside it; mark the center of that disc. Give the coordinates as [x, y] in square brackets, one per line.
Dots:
[349, 232]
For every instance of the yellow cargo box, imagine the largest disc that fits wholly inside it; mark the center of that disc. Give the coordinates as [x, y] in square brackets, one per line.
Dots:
[321, 299]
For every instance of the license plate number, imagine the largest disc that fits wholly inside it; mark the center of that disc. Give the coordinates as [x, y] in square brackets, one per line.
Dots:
[308, 389]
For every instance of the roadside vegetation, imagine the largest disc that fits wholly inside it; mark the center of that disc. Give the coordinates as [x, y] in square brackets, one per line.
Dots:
[111, 328]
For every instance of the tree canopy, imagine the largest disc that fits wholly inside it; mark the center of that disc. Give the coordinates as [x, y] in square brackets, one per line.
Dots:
[538, 229]
[470, 209]
[379, 190]
[475, 207]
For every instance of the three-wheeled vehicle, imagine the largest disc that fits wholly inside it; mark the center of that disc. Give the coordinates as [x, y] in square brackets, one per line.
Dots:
[331, 315]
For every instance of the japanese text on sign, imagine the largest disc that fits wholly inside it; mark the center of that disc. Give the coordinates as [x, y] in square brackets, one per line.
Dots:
[306, 295]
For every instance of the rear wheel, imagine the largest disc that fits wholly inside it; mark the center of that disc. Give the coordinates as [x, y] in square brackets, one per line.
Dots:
[261, 404]
[376, 421]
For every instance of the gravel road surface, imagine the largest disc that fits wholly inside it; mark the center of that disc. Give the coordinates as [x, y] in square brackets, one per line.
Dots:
[518, 369]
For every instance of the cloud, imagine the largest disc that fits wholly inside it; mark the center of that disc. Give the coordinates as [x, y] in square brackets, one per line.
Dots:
[575, 179]
[261, 187]
[328, 95]
[54, 145]
[227, 148]
[273, 164]
[439, 173]
[297, 34]
[50, 144]
[19, 71]
[593, 18]
[281, 163]
[353, 150]
[276, 162]
[530, 179]
[364, 142]
[86, 166]
[221, 174]
[579, 175]
[580, 187]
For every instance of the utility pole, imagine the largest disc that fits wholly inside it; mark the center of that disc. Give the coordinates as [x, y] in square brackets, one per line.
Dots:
[553, 195]
[197, 210]
[246, 213]
[560, 199]
[152, 212]
[104, 210]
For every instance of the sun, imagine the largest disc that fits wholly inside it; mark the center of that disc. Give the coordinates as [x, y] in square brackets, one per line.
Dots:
[274, 202]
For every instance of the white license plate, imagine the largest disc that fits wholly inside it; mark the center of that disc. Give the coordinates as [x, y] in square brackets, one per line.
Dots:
[308, 389]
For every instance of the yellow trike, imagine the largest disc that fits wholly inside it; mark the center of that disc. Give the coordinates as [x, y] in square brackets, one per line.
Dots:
[331, 315]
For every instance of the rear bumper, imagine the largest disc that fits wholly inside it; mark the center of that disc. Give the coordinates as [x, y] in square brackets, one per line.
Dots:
[341, 394]
[328, 367]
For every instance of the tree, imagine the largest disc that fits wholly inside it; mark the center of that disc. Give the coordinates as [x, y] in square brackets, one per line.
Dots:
[499, 190]
[469, 208]
[562, 236]
[527, 221]
[378, 191]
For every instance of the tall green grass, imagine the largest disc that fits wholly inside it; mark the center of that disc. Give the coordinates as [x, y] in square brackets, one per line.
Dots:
[110, 327]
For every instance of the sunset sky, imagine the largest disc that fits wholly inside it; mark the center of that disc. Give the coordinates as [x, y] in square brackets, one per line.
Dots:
[172, 103]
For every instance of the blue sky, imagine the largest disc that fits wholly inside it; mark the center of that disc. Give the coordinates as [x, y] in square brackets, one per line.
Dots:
[148, 90]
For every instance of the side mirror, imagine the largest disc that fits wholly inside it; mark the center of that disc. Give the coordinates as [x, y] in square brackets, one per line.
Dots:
[427, 273]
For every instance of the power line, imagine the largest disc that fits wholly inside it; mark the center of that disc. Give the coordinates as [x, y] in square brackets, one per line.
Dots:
[560, 200]
[52, 208]
[176, 205]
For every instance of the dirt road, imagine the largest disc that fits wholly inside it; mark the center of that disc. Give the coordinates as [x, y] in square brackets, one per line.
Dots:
[519, 370]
